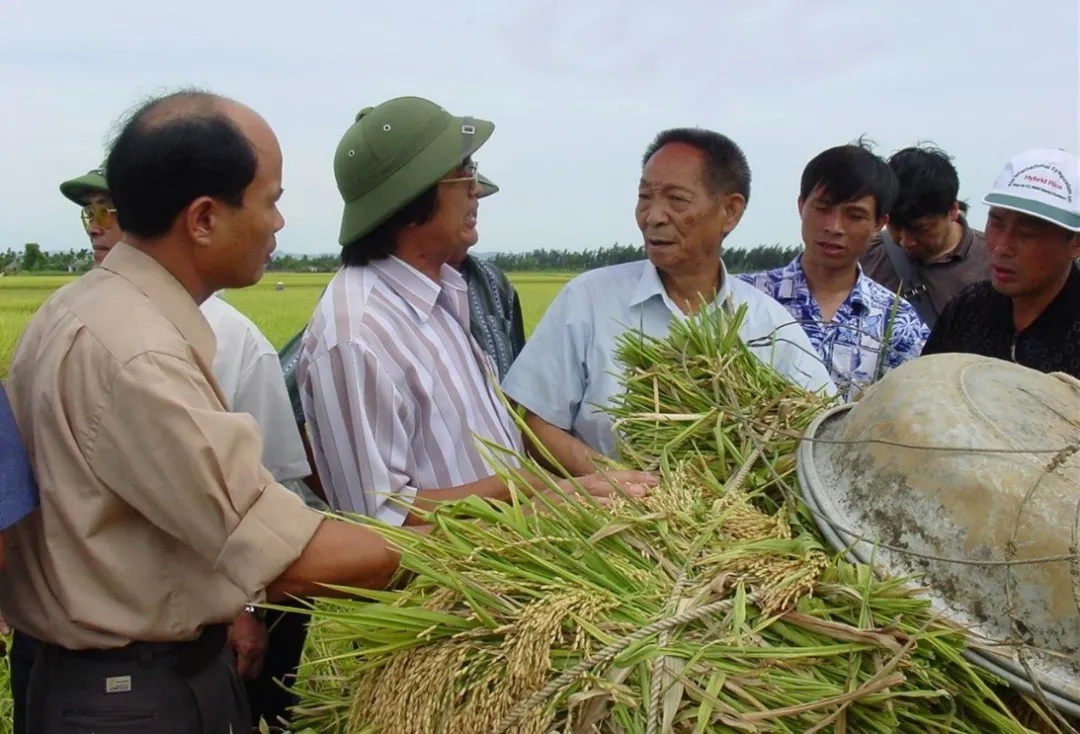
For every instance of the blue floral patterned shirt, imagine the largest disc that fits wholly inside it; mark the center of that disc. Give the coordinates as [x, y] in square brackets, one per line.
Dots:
[850, 344]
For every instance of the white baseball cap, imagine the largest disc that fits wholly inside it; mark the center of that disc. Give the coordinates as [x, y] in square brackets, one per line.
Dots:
[1044, 183]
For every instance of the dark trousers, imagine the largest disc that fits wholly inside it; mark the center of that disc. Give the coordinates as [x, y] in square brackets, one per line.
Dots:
[21, 662]
[287, 633]
[145, 688]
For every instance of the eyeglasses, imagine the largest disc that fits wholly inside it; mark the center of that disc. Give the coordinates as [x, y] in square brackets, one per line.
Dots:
[471, 171]
[99, 214]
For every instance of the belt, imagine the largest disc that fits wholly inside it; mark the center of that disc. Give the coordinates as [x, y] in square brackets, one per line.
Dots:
[186, 658]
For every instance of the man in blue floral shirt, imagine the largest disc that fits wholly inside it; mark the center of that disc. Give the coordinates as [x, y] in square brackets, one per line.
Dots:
[859, 328]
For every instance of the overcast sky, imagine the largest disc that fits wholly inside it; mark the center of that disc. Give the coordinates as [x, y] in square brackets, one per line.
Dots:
[576, 90]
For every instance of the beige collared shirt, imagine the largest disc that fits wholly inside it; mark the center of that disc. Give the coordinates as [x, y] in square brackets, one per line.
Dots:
[157, 516]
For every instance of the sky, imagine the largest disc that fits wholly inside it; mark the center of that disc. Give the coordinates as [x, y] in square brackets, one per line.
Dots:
[576, 91]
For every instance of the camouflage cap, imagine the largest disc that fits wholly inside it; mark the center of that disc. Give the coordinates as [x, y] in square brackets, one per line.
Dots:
[393, 152]
[81, 188]
[487, 186]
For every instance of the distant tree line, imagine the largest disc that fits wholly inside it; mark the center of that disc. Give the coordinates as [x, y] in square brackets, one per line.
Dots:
[32, 259]
[285, 263]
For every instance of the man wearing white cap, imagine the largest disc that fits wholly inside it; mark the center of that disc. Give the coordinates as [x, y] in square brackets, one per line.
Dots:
[1029, 310]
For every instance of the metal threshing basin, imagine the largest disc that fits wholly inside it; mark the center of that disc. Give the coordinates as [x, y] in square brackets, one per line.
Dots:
[937, 471]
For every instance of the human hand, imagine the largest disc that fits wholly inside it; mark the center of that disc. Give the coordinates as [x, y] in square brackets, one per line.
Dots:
[248, 640]
[602, 485]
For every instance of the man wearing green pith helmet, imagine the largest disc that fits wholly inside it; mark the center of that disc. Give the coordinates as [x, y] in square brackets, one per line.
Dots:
[495, 318]
[397, 395]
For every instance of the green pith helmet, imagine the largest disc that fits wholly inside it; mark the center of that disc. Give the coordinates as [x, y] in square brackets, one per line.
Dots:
[395, 151]
[487, 186]
[80, 189]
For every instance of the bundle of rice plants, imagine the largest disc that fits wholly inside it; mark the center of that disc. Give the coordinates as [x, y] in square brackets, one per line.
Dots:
[711, 605]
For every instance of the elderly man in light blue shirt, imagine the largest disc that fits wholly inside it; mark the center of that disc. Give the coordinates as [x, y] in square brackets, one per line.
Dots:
[693, 191]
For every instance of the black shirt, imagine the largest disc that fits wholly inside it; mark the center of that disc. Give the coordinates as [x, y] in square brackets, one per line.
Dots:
[980, 321]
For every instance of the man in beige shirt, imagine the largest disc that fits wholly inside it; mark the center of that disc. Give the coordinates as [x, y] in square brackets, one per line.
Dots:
[158, 522]
[268, 646]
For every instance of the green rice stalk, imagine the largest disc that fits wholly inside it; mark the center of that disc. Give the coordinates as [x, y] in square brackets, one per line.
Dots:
[711, 605]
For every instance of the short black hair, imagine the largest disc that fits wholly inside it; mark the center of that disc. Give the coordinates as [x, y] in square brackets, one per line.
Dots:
[726, 168]
[381, 242]
[849, 172]
[929, 184]
[172, 150]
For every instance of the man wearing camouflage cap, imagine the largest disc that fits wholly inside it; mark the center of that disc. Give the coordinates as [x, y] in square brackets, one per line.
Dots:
[395, 390]
[91, 192]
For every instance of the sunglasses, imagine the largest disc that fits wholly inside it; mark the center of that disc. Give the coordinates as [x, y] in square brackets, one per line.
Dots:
[471, 171]
[101, 215]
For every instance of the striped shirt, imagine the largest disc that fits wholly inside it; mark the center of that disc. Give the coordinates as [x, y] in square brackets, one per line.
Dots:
[395, 391]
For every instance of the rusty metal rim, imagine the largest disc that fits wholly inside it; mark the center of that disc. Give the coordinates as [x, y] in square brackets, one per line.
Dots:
[810, 484]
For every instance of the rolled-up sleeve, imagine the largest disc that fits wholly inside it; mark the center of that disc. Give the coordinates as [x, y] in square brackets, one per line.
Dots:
[549, 377]
[167, 446]
[363, 434]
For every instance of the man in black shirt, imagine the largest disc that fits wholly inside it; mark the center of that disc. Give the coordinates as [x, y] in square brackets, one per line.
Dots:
[1029, 310]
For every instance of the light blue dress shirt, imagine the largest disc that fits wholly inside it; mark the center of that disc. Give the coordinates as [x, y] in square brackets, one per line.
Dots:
[568, 369]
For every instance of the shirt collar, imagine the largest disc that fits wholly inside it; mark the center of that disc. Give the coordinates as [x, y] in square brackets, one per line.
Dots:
[649, 286]
[468, 268]
[165, 292]
[417, 289]
[861, 296]
[967, 239]
[794, 272]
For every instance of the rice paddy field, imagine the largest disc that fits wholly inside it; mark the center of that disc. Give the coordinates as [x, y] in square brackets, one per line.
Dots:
[279, 314]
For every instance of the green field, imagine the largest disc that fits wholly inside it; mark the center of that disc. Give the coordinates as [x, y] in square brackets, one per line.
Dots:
[279, 314]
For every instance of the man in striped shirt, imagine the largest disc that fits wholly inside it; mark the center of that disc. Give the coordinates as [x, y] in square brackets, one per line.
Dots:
[397, 395]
